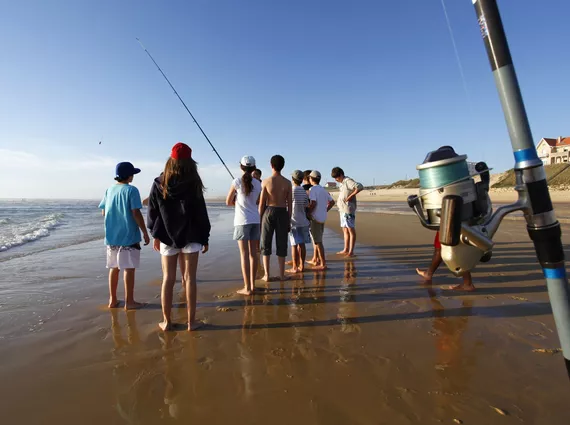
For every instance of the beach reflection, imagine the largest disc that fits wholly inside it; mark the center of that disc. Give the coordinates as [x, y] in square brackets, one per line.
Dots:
[455, 361]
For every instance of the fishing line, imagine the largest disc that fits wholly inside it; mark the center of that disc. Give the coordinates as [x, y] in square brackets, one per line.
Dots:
[457, 58]
[460, 67]
[186, 107]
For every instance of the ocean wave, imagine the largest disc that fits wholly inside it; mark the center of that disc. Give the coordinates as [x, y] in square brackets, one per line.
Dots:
[23, 233]
[5, 221]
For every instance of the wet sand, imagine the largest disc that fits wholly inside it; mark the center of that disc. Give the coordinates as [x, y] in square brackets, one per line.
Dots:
[363, 343]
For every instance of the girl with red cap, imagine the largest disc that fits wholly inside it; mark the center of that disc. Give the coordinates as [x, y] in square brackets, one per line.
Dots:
[178, 221]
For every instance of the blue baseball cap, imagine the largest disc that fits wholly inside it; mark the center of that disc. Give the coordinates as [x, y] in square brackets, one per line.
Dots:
[124, 170]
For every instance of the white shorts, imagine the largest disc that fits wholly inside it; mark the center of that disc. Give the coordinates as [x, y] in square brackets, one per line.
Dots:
[123, 257]
[169, 251]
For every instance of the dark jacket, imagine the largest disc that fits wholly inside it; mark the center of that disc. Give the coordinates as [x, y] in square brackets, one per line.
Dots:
[181, 218]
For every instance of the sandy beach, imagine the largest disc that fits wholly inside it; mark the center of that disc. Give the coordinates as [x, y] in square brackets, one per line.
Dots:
[363, 343]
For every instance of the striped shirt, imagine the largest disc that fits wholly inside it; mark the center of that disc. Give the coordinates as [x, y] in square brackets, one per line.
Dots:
[300, 204]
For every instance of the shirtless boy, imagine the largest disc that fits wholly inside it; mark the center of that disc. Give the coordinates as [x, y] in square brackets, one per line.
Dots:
[275, 209]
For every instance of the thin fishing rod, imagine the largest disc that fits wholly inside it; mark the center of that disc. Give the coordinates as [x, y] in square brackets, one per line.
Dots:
[186, 107]
[542, 225]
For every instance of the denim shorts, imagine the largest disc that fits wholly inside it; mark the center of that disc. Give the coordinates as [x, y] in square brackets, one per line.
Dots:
[246, 232]
[299, 235]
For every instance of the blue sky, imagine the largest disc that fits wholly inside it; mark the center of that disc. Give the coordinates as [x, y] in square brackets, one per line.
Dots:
[370, 86]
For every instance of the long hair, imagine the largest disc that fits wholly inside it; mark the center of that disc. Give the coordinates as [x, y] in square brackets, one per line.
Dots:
[182, 171]
[247, 179]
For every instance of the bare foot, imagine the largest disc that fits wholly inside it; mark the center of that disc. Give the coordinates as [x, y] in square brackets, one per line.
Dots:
[425, 275]
[343, 252]
[114, 303]
[461, 287]
[244, 291]
[268, 279]
[292, 270]
[195, 325]
[320, 268]
[134, 306]
[289, 263]
[165, 326]
[313, 263]
[350, 255]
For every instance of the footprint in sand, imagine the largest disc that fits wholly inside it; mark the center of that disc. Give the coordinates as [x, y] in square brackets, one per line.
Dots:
[225, 309]
[547, 350]
[206, 362]
[519, 298]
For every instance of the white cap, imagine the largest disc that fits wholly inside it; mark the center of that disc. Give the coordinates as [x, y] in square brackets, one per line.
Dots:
[248, 161]
[315, 174]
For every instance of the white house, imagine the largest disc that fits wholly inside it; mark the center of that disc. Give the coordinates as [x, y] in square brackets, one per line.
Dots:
[554, 151]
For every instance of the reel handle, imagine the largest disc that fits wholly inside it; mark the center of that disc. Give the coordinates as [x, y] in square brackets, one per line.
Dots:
[450, 225]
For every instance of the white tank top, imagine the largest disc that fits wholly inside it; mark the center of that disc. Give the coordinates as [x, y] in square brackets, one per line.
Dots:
[246, 209]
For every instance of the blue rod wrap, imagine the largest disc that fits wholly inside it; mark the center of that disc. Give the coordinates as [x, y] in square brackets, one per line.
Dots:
[525, 155]
[557, 273]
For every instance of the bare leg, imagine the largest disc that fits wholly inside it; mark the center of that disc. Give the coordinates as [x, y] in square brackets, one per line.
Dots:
[113, 283]
[266, 267]
[129, 278]
[246, 270]
[351, 241]
[281, 261]
[253, 260]
[321, 257]
[346, 236]
[191, 261]
[168, 279]
[296, 260]
[435, 262]
[302, 253]
[183, 274]
[314, 260]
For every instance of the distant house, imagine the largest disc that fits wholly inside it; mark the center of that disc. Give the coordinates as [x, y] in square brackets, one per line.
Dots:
[331, 185]
[554, 151]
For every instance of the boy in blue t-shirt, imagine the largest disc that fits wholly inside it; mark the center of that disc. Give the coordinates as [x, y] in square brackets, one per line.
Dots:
[123, 219]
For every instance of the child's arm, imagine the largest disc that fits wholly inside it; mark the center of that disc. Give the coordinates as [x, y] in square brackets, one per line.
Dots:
[140, 222]
[330, 204]
[231, 198]
[356, 188]
[262, 200]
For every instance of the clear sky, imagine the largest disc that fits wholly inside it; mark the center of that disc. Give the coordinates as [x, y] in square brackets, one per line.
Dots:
[370, 86]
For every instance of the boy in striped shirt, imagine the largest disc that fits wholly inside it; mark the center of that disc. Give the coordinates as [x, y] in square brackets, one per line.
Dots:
[299, 235]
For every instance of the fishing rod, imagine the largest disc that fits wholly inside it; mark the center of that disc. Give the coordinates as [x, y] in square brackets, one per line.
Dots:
[461, 210]
[542, 225]
[186, 107]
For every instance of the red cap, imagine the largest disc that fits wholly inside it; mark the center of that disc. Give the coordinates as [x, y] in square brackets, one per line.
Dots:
[181, 151]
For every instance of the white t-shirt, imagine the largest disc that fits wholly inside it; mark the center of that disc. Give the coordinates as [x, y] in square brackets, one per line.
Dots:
[247, 211]
[322, 198]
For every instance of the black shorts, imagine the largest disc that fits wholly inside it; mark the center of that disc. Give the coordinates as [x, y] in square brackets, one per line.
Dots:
[275, 220]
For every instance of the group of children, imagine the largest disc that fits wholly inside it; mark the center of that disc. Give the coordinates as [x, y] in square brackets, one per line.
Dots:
[293, 209]
[177, 219]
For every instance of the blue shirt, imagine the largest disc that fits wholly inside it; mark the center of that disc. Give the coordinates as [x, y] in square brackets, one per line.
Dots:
[121, 229]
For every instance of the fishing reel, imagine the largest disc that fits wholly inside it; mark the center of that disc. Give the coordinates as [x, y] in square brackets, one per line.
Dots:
[452, 202]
